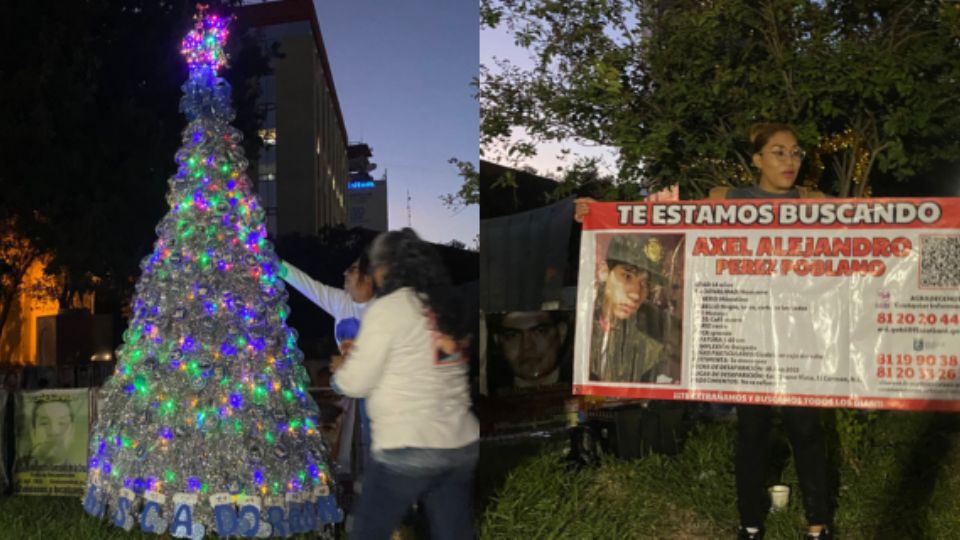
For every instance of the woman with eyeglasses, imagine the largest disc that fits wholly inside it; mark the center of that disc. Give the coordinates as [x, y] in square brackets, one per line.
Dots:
[777, 156]
[347, 307]
[409, 363]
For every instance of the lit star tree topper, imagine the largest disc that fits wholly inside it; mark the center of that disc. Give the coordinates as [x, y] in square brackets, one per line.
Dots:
[206, 424]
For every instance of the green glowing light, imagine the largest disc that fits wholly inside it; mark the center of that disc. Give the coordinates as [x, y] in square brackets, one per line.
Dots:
[140, 383]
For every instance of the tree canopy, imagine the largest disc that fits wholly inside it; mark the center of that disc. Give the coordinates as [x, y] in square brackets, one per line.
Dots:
[674, 85]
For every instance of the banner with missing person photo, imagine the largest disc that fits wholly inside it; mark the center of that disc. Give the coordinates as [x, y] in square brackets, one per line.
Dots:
[51, 430]
[831, 303]
[527, 351]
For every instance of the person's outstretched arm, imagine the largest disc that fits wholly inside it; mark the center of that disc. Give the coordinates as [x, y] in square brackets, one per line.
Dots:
[330, 299]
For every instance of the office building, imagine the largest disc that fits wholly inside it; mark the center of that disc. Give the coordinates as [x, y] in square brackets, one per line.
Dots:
[366, 196]
[301, 175]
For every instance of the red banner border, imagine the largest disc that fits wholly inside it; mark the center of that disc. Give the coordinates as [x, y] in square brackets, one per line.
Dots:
[770, 399]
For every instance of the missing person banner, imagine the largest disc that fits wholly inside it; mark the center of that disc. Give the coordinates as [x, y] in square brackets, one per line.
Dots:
[830, 303]
[51, 428]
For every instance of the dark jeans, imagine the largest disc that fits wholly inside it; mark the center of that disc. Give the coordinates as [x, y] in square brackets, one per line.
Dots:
[805, 431]
[442, 479]
[365, 436]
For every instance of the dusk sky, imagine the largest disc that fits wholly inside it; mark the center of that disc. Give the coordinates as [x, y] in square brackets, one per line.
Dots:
[498, 44]
[403, 73]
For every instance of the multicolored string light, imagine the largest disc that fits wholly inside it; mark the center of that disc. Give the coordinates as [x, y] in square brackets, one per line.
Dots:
[209, 394]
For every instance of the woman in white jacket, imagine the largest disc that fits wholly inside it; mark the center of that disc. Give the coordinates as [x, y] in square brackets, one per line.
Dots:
[407, 362]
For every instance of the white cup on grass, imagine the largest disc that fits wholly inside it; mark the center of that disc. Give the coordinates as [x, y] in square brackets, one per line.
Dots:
[779, 497]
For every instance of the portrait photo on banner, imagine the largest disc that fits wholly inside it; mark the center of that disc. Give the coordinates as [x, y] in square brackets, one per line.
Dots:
[637, 309]
[51, 430]
[528, 351]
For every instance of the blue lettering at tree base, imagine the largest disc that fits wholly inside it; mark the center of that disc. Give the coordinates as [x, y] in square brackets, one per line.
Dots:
[95, 503]
[276, 520]
[122, 517]
[226, 516]
[151, 520]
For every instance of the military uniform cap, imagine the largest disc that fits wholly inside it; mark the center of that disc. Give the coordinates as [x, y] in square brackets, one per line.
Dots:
[644, 251]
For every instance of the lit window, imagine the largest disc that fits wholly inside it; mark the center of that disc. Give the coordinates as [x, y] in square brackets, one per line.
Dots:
[268, 136]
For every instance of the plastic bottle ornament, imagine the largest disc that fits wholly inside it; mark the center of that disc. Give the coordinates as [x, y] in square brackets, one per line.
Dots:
[235, 486]
[207, 326]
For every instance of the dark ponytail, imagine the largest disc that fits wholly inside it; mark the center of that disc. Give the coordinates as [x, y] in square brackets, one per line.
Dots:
[413, 263]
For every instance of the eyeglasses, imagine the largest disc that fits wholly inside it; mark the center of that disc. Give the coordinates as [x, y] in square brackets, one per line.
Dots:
[782, 154]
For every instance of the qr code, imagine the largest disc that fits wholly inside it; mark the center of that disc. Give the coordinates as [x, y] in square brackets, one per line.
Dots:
[940, 261]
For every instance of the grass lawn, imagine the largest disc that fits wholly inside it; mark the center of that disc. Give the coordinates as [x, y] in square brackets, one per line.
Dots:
[897, 475]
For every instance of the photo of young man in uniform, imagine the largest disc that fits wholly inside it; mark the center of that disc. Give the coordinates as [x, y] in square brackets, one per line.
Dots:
[635, 339]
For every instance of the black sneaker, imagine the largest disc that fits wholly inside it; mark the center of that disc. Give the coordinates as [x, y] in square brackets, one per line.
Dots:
[825, 534]
[744, 534]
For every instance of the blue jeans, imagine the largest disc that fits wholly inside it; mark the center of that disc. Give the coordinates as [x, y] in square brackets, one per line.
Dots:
[442, 479]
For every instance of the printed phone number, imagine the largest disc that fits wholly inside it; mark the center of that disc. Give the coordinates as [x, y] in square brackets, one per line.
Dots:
[929, 319]
[922, 367]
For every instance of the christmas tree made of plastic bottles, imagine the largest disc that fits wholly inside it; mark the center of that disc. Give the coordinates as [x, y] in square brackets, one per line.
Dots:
[206, 425]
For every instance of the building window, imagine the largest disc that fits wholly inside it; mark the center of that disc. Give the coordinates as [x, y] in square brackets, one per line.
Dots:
[268, 136]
